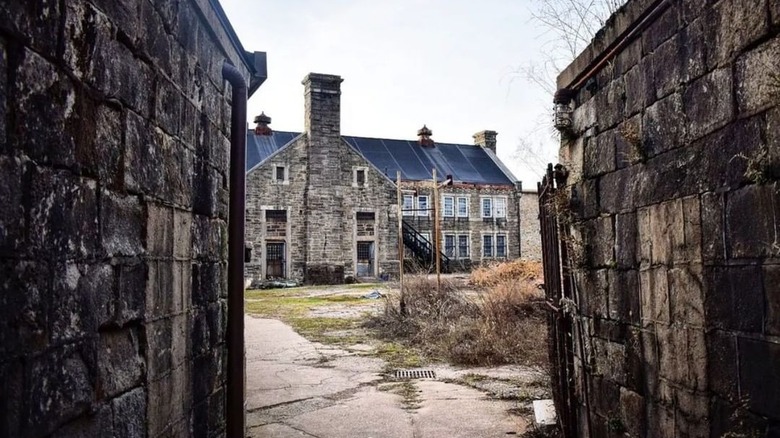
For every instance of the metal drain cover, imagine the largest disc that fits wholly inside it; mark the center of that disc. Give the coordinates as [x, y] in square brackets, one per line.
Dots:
[414, 374]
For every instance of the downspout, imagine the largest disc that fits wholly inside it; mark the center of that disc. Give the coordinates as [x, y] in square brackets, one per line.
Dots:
[235, 407]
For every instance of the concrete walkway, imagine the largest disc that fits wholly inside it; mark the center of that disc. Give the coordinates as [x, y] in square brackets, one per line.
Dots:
[296, 388]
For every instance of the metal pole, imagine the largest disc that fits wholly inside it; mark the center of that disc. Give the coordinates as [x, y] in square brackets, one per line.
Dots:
[436, 229]
[236, 377]
[400, 243]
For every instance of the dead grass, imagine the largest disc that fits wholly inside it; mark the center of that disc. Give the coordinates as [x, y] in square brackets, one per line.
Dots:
[517, 270]
[504, 324]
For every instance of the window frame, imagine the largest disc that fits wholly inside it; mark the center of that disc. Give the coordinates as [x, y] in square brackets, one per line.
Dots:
[465, 200]
[444, 206]
[482, 206]
[355, 172]
[449, 251]
[488, 254]
[505, 246]
[500, 214]
[420, 210]
[467, 253]
[285, 174]
[408, 210]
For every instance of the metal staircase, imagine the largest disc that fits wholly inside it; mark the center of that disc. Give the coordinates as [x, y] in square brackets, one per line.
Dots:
[422, 248]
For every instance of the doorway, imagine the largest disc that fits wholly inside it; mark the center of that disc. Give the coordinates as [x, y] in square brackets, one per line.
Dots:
[365, 259]
[275, 260]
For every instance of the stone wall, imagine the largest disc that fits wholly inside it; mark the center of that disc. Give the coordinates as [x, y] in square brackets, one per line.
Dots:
[530, 243]
[674, 188]
[473, 225]
[113, 156]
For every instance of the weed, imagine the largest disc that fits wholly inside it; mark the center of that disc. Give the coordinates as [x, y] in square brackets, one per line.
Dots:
[503, 324]
[408, 392]
[493, 274]
[632, 136]
[761, 167]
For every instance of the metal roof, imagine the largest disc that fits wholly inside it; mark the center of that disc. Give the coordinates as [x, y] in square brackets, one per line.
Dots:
[466, 163]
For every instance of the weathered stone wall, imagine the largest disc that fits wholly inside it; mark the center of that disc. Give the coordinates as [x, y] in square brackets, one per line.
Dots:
[675, 195]
[113, 156]
[473, 225]
[530, 242]
[338, 239]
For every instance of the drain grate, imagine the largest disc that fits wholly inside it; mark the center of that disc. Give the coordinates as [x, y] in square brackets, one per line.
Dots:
[414, 374]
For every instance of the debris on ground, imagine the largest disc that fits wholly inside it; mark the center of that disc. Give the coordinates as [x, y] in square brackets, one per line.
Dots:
[373, 295]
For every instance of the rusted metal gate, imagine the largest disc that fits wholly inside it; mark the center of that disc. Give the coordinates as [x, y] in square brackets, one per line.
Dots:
[558, 290]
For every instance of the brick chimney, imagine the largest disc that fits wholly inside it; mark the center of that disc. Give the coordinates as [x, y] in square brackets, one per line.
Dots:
[322, 94]
[486, 139]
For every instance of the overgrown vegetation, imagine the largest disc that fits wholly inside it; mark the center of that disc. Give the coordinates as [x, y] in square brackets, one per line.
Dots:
[502, 323]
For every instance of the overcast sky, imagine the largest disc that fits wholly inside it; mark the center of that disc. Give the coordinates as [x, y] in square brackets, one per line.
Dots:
[449, 64]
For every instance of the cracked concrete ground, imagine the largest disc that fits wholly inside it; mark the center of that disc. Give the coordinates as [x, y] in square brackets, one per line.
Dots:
[296, 388]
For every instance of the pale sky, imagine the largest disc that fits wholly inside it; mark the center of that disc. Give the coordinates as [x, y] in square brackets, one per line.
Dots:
[449, 64]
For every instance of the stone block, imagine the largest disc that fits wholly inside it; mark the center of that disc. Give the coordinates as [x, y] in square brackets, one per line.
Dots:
[594, 303]
[96, 425]
[667, 67]
[610, 360]
[59, 387]
[709, 103]
[696, 356]
[624, 296]
[734, 298]
[690, 251]
[131, 298]
[160, 230]
[208, 280]
[124, 14]
[774, 11]
[130, 414]
[120, 366]
[168, 345]
[772, 292]
[644, 237]
[686, 295]
[599, 236]
[694, 47]
[64, 216]
[722, 367]
[756, 79]
[24, 315]
[12, 214]
[122, 224]
[739, 23]
[712, 227]
[654, 293]
[43, 102]
[632, 412]
[635, 88]
[636, 367]
[660, 422]
[143, 167]
[611, 102]
[626, 240]
[168, 106]
[182, 234]
[672, 357]
[648, 343]
[691, 414]
[169, 400]
[756, 377]
[599, 154]
[661, 29]
[750, 223]
[160, 289]
[38, 21]
[615, 190]
[86, 28]
[663, 125]
[207, 242]
[157, 43]
[129, 79]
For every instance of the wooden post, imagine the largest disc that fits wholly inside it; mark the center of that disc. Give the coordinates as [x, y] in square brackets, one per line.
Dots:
[436, 237]
[402, 301]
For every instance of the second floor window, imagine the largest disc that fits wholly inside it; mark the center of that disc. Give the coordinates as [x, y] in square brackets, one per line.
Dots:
[280, 174]
[487, 207]
[422, 206]
[408, 205]
[448, 206]
[463, 207]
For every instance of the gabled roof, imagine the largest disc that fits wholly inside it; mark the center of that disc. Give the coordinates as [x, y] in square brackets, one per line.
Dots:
[466, 163]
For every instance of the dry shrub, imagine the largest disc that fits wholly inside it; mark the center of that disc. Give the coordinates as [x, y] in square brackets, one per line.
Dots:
[517, 270]
[503, 324]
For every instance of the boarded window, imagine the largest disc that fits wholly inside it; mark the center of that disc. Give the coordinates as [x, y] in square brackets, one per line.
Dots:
[276, 215]
[365, 215]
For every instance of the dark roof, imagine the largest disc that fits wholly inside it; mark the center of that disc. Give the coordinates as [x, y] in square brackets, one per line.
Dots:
[466, 163]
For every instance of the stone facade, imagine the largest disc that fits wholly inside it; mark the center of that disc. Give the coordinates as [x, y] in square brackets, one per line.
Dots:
[530, 245]
[113, 156]
[674, 168]
[329, 215]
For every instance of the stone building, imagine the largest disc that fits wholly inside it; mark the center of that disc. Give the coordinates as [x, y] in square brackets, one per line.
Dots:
[322, 206]
[674, 188]
[114, 121]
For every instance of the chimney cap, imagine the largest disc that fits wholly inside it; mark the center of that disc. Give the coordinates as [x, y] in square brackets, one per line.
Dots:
[424, 131]
[262, 118]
